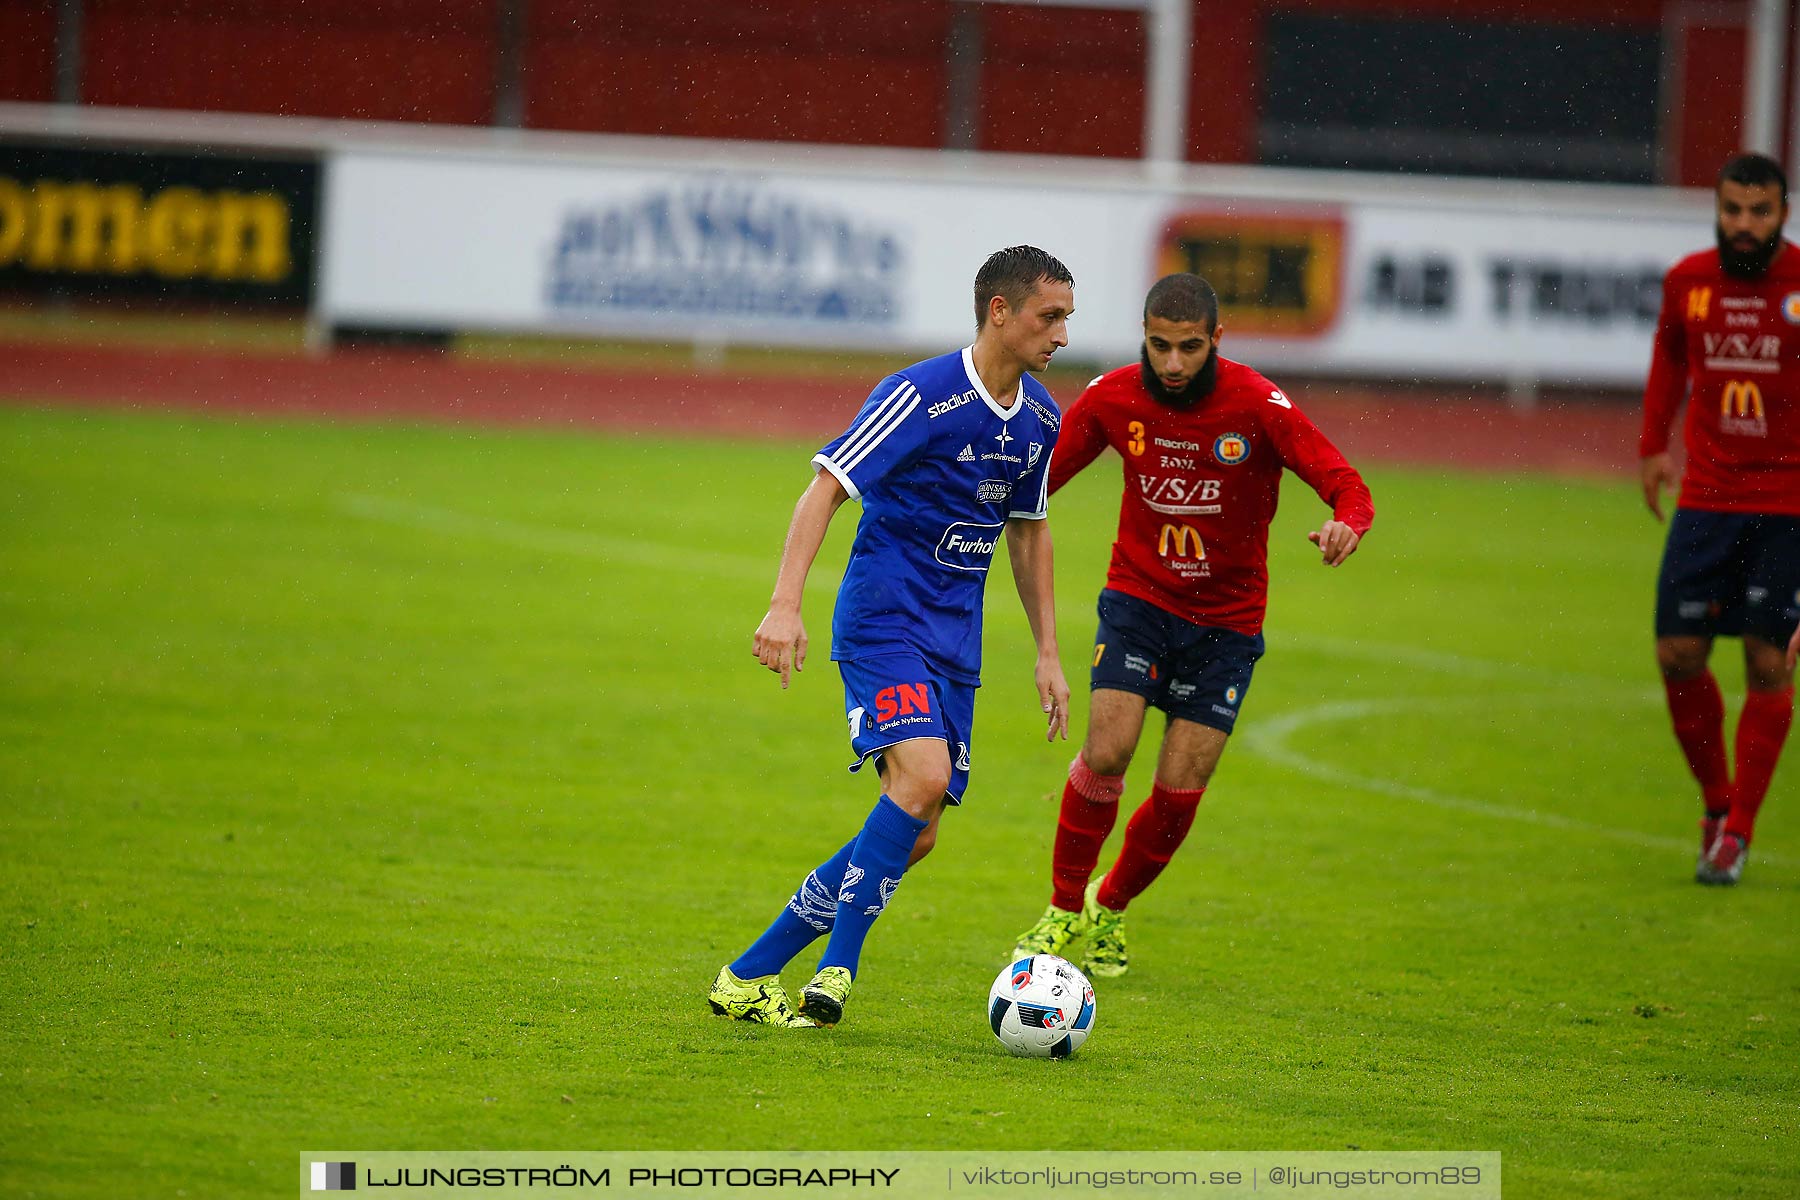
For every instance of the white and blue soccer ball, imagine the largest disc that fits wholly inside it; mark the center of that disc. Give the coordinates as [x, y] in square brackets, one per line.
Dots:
[1041, 1007]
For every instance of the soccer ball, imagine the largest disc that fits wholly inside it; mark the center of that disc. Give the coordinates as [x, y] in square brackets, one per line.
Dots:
[1041, 1007]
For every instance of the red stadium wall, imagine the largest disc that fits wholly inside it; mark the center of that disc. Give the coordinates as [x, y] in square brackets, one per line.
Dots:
[1053, 79]
[779, 70]
[1068, 81]
[391, 60]
[1709, 65]
[28, 50]
[1062, 81]
[1223, 83]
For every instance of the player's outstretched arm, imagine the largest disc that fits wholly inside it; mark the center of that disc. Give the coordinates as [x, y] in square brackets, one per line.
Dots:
[1336, 542]
[780, 641]
[1656, 472]
[1028, 546]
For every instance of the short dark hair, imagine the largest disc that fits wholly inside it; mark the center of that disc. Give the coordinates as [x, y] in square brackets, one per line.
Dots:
[1755, 170]
[1184, 298]
[1013, 273]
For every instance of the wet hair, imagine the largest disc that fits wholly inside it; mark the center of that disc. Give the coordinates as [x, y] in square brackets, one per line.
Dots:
[1755, 170]
[1013, 274]
[1184, 298]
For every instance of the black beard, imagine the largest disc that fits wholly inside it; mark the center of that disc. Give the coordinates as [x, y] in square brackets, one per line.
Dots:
[1198, 388]
[1746, 264]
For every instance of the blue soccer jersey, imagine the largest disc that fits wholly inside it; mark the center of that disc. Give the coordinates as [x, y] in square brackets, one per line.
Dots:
[939, 466]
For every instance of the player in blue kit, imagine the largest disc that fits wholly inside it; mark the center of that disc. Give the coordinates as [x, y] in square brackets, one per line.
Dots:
[946, 456]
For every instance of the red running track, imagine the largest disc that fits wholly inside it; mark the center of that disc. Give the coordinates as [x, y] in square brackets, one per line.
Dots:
[1446, 427]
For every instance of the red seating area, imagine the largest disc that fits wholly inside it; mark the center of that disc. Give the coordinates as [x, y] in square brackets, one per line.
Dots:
[1053, 79]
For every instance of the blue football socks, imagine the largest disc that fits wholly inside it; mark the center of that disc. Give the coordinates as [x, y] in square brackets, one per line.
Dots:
[809, 914]
[877, 861]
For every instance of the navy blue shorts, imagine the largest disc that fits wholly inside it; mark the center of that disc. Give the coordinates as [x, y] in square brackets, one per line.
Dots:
[1726, 574]
[891, 698]
[1196, 672]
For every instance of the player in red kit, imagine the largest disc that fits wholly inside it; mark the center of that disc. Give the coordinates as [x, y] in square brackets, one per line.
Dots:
[1728, 342]
[1204, 442]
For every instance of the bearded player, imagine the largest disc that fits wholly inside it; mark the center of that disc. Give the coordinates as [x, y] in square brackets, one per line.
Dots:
[1204, 442]
[1728, 342]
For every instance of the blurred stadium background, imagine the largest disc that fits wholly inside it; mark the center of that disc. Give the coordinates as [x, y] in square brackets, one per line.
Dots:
[795, 173]
[353, 773]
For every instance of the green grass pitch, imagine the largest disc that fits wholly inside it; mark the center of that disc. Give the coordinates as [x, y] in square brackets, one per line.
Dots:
[384, 787]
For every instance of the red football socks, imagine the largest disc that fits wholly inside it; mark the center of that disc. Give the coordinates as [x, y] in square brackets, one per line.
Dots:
[1090, 806]
[1761, 731]
[1698, 712]
[1151, 837]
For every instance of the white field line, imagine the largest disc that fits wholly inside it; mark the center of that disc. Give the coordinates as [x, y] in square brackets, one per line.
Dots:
[1269, 739]
[1395, 656]
[547, 539]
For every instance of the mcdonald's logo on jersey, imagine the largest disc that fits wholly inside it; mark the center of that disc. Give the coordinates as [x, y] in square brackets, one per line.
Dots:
[1180, 536]
[1741, 398]
[1741, 410]
[1699, 303]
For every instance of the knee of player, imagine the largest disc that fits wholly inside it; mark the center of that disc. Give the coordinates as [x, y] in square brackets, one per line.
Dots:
[1679, 661]
[923, 845]
[1766, 671]
[1107, 761]
[1184, 778]
[934, 784]
[920, 791]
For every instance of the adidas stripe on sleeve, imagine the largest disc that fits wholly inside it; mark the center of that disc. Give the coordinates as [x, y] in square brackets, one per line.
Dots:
[885, 436]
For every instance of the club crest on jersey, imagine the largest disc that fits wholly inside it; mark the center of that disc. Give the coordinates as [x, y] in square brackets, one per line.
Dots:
[1231, 694]
[1031, 456]
[1790, 308]
[1230, 449]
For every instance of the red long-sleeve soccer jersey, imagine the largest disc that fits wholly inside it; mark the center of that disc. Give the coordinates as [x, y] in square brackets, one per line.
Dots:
[1731, 348]
[1201, 485]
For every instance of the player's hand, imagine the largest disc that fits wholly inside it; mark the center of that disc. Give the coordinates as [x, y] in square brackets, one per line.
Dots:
[1336, 542]
[780, 643]
[1656, 472]
[1053, 694]
[1793, 655]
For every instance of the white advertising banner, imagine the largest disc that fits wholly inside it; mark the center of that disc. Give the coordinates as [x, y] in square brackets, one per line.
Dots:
[698, 254]
[1399, 284]
[1492, 294]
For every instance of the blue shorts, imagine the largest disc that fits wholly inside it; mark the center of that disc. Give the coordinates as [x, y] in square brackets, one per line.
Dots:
[1198, 673]
[1726, 574]
[891, 698]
